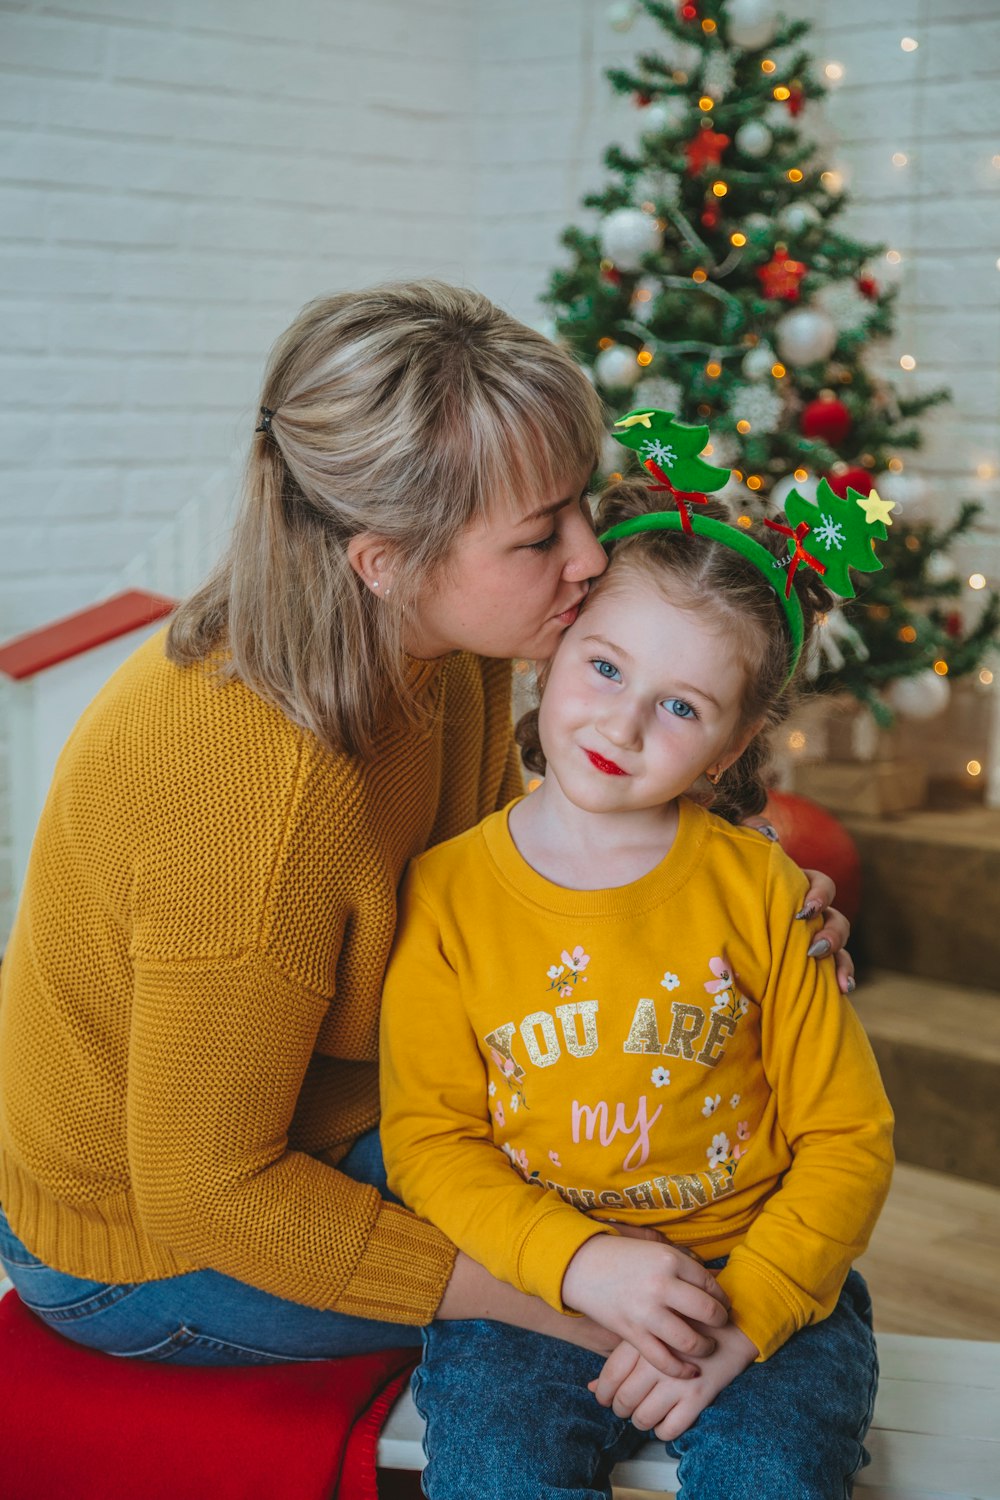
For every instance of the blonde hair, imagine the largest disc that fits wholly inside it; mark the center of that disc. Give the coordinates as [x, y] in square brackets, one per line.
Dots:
[408, 411]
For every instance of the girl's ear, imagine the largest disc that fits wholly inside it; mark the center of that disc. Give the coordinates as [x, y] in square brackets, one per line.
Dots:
[736, 749]
[370, 555]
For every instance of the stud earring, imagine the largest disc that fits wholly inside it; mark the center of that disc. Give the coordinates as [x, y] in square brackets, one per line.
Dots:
[713, 777]
[374, 583]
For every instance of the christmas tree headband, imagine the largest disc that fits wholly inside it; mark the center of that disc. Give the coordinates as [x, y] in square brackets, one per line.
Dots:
[845, 529]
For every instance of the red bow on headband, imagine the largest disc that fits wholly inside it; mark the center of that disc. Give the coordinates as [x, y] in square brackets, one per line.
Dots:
[800, 555]
[683, 497]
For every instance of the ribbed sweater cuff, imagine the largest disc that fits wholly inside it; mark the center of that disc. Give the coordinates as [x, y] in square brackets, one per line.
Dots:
[763, 1307]
[403, 1273]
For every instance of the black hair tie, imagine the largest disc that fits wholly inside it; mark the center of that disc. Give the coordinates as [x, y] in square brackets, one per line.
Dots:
[264, 425]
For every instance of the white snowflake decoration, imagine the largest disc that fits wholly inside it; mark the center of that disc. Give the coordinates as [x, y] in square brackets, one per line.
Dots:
[759, 405]
[660, 453]
[845, 306]
[658, 188]
[829, 533]
[659, 393]
[717, 75]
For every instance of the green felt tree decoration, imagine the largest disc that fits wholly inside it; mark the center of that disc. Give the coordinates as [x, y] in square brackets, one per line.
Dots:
[842, 532]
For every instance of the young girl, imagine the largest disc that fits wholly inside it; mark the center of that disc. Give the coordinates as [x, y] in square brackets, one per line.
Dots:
[596, 1015]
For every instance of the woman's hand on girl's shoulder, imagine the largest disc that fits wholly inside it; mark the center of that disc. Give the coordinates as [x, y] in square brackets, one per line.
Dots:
[832, 937]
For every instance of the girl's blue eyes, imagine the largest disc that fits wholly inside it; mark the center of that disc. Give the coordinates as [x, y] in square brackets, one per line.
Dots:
[678, 707]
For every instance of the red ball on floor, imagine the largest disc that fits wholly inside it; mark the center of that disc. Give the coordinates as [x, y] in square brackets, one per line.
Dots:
[814, 838]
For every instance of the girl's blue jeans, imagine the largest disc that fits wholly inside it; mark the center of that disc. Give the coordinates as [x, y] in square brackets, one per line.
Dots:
[509, 1416]
[203, 1317]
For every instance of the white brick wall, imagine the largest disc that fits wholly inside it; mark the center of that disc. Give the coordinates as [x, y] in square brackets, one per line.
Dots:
[177, 179]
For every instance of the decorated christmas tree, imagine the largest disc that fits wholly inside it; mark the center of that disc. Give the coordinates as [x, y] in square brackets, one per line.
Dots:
[719, 287]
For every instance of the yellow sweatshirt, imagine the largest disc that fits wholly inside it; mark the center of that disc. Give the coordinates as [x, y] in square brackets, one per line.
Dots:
[190, 998]
[662, 1053]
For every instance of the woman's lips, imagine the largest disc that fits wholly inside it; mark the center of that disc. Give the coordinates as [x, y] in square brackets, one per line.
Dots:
[601, 764]
[569, 615]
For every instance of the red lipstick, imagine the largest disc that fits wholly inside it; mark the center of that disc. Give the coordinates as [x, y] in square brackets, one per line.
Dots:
[607, 766]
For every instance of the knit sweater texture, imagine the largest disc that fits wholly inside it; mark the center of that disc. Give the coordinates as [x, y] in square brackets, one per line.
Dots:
[662, 1053]
[189, 1002]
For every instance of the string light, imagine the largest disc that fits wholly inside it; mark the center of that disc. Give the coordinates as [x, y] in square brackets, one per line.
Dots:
[909, 44]
[643, 294]
[644, 357]
[796, 740]
[708, 450]
[801, 475]
[896, 465]
[745, 522]
[713, 370]
[973, 767]
[709, 26]
[699, 274]
[907, 362]
[908, 634]
[986, 677]
[977, 581]
[781, 93]
[738, 239]
[832, 181]
[893, 257]
[794, 175]
[604, 343]
[720, 189]
[912, 543]
[754, 482]
[834, 70]
[743, 427]
[706, 103]
[768, 65]
[778, 371]
[648, 207]
[900, 159]
[941, 668]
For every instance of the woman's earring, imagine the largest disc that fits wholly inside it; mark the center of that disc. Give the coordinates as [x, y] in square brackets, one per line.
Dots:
[374, 583]
[713, 777]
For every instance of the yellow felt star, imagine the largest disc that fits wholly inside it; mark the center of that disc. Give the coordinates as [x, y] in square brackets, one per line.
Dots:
[640, 416]
[875, 508]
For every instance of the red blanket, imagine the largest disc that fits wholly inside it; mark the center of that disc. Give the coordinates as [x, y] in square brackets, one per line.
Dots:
[76, 1425]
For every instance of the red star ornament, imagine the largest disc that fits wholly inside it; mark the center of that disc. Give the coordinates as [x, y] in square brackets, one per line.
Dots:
[705, 150]
[781, 277]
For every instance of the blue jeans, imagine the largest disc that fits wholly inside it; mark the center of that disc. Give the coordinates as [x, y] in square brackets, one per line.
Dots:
[202, 1317]
[509, 1416]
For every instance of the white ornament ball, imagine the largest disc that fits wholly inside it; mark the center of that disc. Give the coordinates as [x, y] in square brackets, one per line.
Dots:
[798, 217]
[665, 114]
[922, 696]
[661, 394]
[757, 362]
[622, 15]
[756, 225]
[805, 336]
[940, 567]
[627, 235]
[751, 23]
[908, 492]
[617, 367]
[754, 138]
[783, 488]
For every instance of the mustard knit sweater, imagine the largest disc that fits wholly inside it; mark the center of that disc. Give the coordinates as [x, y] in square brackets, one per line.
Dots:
[189, 1003]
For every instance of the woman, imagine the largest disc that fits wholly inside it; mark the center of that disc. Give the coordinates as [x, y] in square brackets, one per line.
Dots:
[189, 1014]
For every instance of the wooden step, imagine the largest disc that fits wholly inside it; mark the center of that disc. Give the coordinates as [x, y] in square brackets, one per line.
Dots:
[931, 894]
[938, 1046]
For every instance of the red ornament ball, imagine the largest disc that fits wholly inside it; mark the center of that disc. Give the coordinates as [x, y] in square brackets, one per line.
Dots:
[642, 100]
[611, 275]
[954, 625]
[868, 287]
[851, 479]
[710, 216]
[826, 418]
[815, 840]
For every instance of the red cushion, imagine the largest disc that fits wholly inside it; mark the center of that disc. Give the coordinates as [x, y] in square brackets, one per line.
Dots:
[77, 1425]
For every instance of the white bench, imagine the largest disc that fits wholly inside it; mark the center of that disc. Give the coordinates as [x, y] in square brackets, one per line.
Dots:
[936, 1433]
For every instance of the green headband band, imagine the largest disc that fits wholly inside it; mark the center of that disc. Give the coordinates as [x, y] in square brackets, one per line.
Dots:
[736, 541]
[844, 529]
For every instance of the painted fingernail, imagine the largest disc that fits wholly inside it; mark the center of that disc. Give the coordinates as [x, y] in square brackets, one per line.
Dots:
[819, 949]
[769, 831]
[851, 985]
[809, 910]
